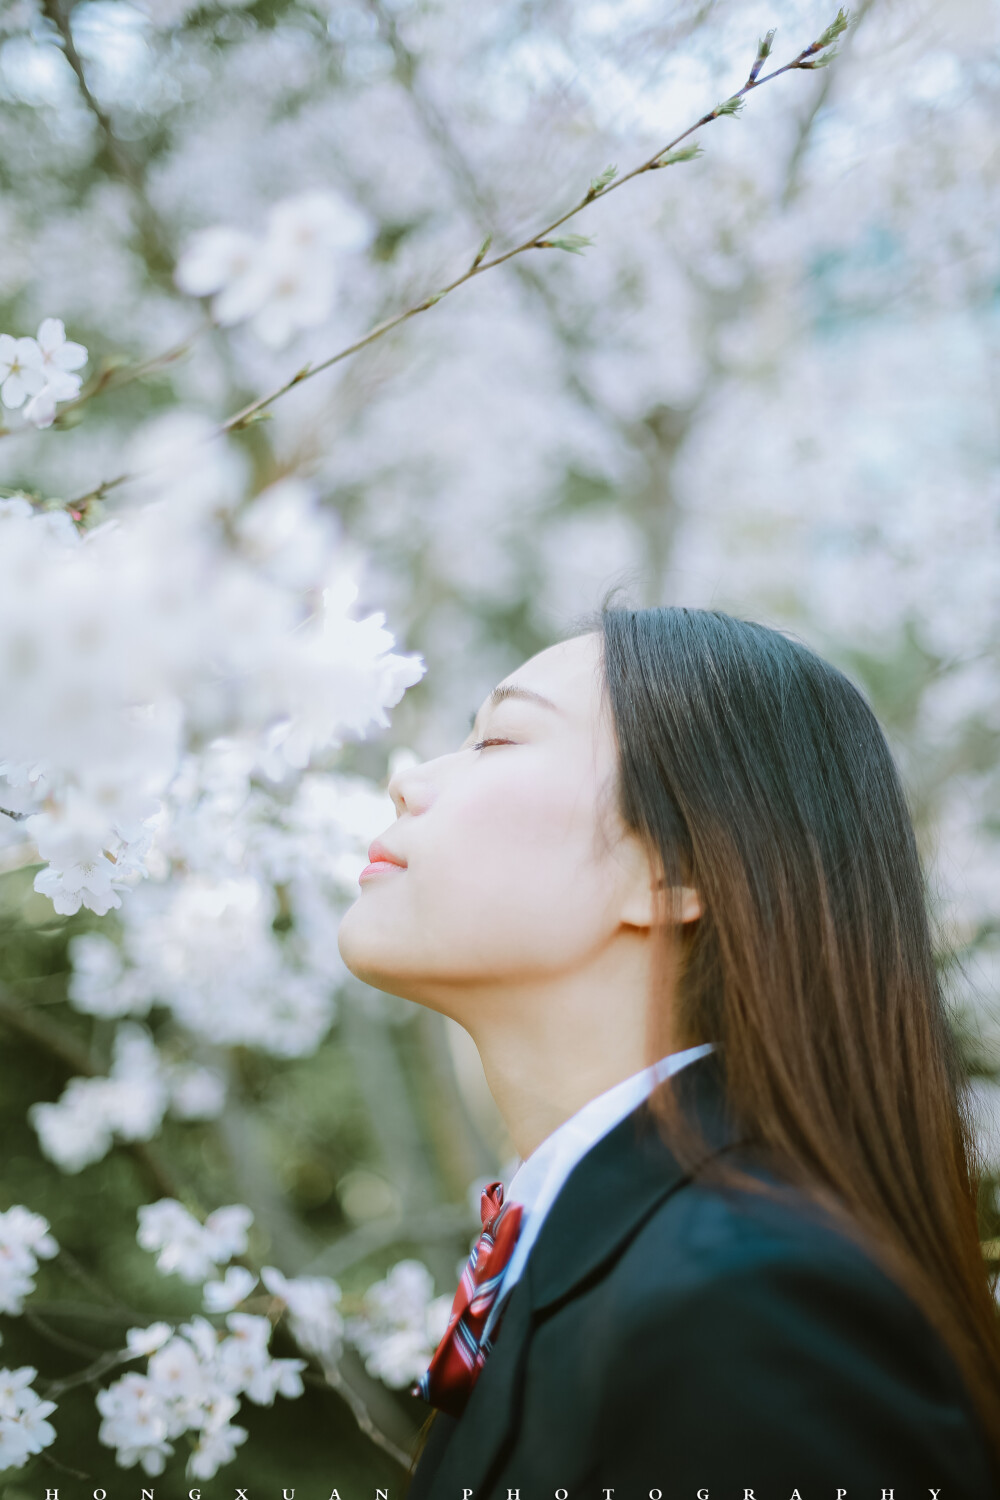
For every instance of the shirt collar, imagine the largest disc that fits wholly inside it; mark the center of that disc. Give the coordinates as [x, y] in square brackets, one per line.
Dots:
[540, 1175]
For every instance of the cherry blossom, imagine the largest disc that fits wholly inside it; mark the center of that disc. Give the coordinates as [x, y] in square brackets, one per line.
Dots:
[234, 1288]
[37, 373]
[24, 1428]
[313, 1315]
[21, 373]
[24, 1241]
[192, 1386]
[141, 1341]
[284, 282]
[401, 1323]
[190, 1249]
[60, 356]
[129, 1103]
[98, 752]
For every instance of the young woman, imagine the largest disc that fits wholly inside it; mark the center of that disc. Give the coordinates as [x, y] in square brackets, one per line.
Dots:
[669, 885]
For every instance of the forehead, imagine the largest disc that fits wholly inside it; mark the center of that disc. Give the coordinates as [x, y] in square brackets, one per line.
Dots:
[568, 673]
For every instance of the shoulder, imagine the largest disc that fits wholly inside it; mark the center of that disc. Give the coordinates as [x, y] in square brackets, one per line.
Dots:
[768, 1310]
[712, 1249]
[748, 1338]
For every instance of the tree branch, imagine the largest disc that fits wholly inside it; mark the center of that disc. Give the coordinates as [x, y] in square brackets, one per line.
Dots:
[74, 1058]
[337, 1383]
[149, 224]
[479, 202]
[666, 156]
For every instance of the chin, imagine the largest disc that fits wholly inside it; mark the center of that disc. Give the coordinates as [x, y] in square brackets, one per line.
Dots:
[365, 952]
[369, 958]
[354, 944]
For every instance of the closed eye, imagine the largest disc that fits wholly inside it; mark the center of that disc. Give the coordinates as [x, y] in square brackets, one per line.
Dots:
[481, 744]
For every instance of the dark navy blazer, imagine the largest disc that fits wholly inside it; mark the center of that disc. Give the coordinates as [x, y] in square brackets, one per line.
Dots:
[670, 1336]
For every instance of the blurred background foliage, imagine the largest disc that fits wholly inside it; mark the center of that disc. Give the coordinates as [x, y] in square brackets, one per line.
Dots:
[770, 386]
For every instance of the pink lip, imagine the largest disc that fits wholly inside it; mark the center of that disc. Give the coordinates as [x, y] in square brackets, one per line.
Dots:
[377, 852]
[379, 867]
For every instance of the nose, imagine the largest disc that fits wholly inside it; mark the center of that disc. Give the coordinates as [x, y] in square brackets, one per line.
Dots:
[414, 787]
[408, 787]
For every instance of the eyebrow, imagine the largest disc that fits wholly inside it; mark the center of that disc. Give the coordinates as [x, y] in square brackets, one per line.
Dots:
[504, 691]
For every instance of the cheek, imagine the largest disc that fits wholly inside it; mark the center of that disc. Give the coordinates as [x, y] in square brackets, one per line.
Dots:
[510, 872]
[507, 875]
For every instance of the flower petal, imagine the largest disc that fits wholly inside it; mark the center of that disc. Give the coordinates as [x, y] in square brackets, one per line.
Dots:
[51, 333]
[12, 392]
[41, 409]
[29, 355]
[71, 356]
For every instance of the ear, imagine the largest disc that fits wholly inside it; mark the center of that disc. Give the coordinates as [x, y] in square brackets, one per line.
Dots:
[639, 902]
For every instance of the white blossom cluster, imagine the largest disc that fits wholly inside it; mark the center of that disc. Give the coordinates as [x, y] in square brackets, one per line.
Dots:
[37, 373]
[206, 948]
[401, 1323]
[313, 1316]
[24, 1241]
[192, 1384]
[283, 281]
[195, 1252]
[24, 1428]
[247, 632]
[185, 1246]
[200, 941]
[129, 1104]
[196, 1374]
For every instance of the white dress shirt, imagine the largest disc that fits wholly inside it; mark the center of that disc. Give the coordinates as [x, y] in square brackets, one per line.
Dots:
[537, 1181]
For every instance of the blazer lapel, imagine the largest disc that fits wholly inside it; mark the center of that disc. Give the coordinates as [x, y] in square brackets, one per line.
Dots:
[621, 1180]
[624, 1178]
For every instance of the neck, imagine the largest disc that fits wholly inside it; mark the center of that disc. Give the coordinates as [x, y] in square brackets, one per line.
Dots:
[550, 1046]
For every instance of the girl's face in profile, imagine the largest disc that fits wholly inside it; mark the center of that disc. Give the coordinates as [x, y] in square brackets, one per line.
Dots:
[517, 866]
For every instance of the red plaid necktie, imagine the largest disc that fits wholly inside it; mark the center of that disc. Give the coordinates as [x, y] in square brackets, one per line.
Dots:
[448, 1380]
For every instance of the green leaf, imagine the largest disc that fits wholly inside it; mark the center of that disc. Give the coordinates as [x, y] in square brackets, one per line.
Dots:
[764, 46]
[574, 243]
[480, 255]
[730, 107]
[685, 153]
[832, 32]
[598, 184]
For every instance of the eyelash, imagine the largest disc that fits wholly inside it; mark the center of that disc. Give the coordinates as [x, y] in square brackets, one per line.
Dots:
[481, 743]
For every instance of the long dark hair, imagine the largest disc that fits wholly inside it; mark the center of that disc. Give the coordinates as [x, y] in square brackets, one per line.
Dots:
[756, 772]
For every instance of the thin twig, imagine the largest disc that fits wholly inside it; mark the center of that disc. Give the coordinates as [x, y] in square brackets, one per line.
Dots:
[100, 1366]
[61, 1340]
[480, 202]
[113, 377]
[336, 1381]
[45, 1457]
[481, 263]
